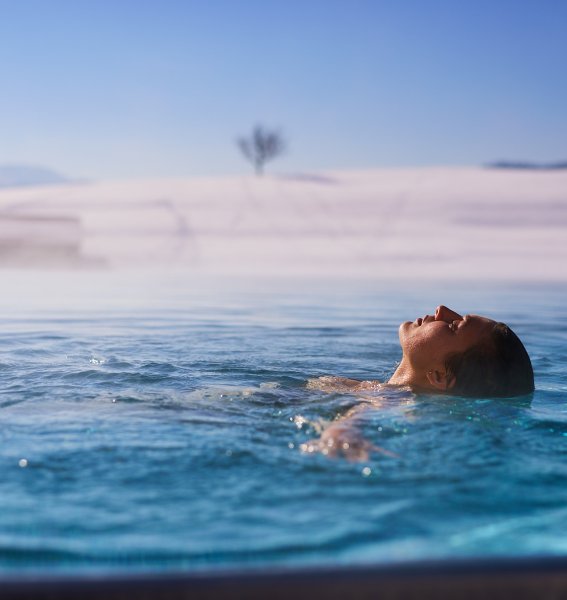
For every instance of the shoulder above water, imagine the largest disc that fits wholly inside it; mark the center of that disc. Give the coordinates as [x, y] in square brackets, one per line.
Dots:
[331, 383]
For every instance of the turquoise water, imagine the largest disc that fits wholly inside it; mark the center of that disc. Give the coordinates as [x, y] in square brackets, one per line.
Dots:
[154, 423]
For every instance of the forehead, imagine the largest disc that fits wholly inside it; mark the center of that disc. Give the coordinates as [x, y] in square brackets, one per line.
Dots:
[476, 326]
[478, 320]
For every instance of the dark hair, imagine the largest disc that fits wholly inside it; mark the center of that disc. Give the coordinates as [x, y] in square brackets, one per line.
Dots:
[499, 366]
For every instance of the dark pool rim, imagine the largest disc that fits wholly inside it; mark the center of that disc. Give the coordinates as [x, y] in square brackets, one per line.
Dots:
[541, 577]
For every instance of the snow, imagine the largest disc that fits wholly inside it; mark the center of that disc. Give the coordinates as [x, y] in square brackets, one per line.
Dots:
[427, 223]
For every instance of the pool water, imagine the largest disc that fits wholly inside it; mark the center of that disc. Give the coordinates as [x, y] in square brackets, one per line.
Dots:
[153, 422]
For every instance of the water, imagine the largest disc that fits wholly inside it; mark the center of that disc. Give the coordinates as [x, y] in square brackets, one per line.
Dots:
[154, 423]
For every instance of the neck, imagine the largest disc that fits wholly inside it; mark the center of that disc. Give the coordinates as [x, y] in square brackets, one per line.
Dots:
[406, 375]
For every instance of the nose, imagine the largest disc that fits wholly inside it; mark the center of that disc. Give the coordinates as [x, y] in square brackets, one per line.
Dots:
[442, 313]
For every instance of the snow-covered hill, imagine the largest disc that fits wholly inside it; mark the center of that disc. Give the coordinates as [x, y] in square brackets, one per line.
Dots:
[422, 223]
[24, 175]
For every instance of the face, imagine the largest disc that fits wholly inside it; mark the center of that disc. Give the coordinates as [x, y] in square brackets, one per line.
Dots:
[428, 340]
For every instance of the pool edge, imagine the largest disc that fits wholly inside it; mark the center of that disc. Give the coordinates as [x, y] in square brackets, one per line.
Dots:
[541, 577]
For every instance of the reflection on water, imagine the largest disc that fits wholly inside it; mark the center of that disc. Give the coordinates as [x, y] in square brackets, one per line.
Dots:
[155, 422]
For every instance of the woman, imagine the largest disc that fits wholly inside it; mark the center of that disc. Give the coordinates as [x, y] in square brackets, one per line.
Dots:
[446, 353]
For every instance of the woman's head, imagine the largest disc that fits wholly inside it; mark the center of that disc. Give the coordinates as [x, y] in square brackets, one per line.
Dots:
[468, 356]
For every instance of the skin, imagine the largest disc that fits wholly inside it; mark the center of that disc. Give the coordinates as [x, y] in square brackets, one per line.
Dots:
[426, 343]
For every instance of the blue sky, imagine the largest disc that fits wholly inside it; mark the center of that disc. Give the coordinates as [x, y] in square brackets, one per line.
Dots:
[123, 88]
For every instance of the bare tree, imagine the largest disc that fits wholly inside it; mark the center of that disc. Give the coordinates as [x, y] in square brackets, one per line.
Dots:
[261, 146]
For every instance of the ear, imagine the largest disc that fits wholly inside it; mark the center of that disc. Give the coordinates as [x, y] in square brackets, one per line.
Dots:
[440, 380]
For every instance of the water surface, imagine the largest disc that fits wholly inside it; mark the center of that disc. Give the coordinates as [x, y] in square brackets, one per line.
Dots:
[152, 422]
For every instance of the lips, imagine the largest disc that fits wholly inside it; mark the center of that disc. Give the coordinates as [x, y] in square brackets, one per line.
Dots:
[421, 320]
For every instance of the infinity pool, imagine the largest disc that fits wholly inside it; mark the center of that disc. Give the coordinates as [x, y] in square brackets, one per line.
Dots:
[150, 422]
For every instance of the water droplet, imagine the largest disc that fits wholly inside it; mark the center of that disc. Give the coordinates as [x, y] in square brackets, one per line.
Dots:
[379, 428]
[367, 471]
[291, 445]
[23, 463]
[306, 447]
[299, 421]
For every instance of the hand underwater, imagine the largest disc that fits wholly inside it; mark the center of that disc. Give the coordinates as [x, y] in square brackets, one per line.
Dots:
[343, 440]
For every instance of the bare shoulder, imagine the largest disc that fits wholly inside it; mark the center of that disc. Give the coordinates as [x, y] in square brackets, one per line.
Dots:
[331, 383]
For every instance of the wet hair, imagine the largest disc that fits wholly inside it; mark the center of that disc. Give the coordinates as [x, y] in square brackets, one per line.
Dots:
[499, 366]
